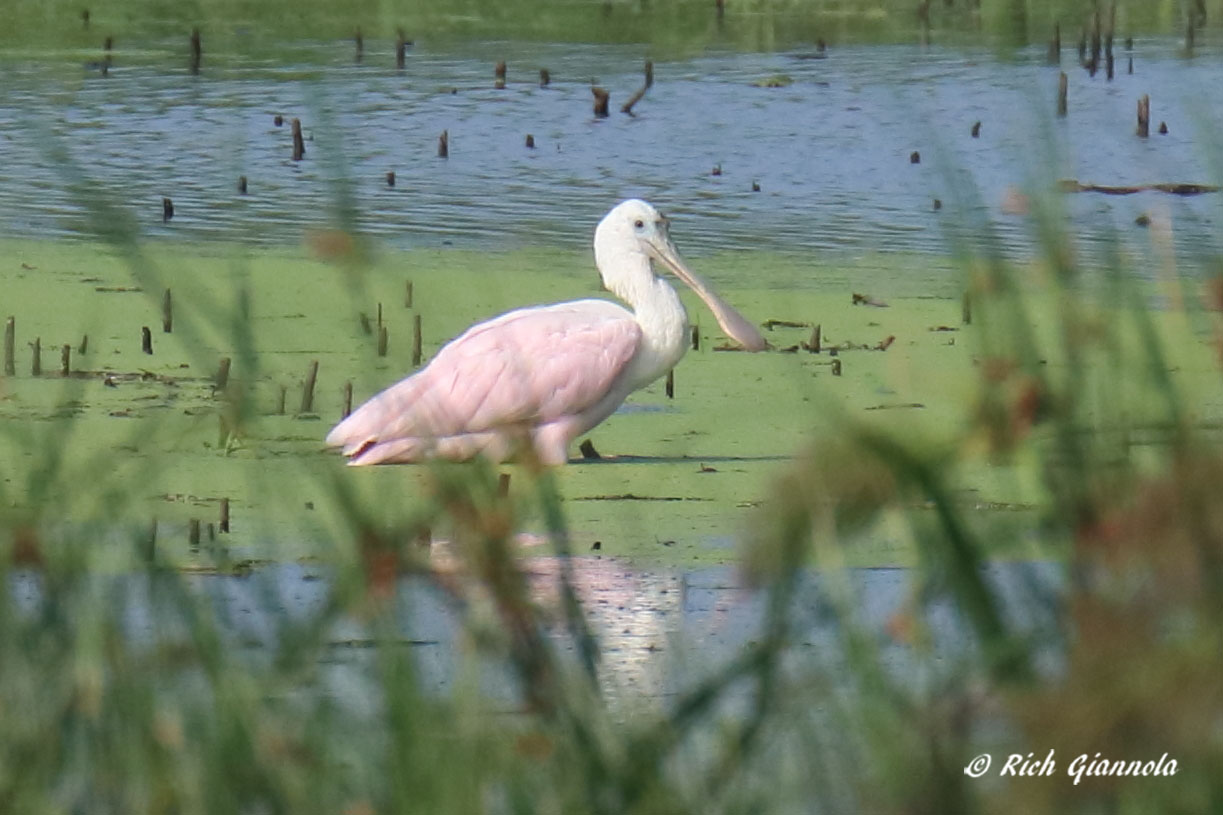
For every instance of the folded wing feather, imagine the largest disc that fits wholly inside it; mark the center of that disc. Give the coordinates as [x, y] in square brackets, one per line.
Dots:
[529, 366]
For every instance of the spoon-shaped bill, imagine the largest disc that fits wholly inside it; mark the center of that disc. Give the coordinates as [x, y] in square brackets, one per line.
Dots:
[733, 323]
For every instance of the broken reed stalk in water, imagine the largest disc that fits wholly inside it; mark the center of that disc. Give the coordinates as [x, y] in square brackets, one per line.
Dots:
[1054, 55]
[545, 78]
[167, 210]
[167, 313]
[696, 338]
[299, 144]
[407, 295]
[280, 404]
[196, 52]
[360, 43]
[65, 360]
[671, 384]
[627, 107]
[401, 49]
[36, 358]
[307, 405]
[193, 533]
[382, 340]
[443, 145]
[222, 378]
[416, 340]
[224, 524]
[146, 339]
[10, 339]
[602, 98]
[499, 76]
[84, 346]
[241, 185]
[1062, 87]
[347, 400]
[1144, 116]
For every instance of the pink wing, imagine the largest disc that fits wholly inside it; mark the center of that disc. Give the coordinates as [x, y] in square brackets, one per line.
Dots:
[527, 367]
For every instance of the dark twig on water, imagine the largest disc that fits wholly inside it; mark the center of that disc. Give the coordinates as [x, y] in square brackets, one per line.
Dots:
[1070, 185]
[867, 300]
[443, 145]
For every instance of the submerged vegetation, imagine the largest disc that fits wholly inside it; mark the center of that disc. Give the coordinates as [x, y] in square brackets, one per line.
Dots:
[1037, 440]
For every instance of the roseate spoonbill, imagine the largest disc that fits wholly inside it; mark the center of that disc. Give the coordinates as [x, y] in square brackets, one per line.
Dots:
[547, 374]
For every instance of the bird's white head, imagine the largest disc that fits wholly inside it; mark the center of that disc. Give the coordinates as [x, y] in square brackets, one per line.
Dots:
[633, 236]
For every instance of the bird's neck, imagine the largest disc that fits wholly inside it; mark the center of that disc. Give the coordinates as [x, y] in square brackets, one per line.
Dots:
[659, 312]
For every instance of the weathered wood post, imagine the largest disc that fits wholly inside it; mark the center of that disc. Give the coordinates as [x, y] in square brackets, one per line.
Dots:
[299, 144]
[602, 98]
[1144, 116]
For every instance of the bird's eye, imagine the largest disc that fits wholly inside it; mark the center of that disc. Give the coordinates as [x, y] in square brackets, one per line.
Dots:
[640, 224]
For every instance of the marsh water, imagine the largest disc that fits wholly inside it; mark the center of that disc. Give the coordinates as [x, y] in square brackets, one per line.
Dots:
[662, 632]
[830, 149]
